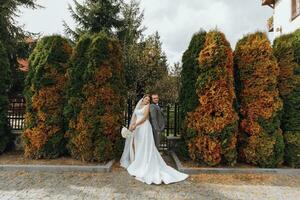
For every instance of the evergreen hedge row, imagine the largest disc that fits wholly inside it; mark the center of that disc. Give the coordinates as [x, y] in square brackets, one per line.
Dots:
[287, 51]
[5, 81]
[260, 139]
[213, 125]
[74, 99]
[45, 96]
[94, 126]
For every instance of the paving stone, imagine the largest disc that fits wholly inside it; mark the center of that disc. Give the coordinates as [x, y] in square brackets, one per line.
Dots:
[119, 185]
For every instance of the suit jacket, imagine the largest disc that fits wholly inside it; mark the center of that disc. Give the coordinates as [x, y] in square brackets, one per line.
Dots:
[157, 119]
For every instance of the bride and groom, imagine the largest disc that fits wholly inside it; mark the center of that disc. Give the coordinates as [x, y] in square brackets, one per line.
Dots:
[140, 156]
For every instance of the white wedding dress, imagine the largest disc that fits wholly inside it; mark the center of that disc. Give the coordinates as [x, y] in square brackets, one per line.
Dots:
[143, 159]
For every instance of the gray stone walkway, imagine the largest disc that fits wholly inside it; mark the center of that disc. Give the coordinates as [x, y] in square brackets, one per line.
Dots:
[119, 185]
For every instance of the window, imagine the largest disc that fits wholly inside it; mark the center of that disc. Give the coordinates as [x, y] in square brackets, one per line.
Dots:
[295, 8]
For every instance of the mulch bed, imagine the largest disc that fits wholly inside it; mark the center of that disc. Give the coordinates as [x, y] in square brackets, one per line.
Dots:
[17, 158]
[247, 179]
[188, 163]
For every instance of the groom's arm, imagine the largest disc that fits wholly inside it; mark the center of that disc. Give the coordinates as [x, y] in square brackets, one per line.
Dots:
[153, 115]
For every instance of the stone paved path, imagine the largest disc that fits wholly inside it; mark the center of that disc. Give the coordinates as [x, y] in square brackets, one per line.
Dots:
[119, 185]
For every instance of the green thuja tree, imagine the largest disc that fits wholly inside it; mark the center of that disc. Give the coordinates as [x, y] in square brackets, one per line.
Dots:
[5, 81]
[95, 133]
[260, 139]
[188, 98]
[214, 122]
[190, 70]
[45, 97]
[287, 52]
[74, 94]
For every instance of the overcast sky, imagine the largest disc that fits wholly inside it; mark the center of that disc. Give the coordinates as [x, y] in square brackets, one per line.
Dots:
[175, 20]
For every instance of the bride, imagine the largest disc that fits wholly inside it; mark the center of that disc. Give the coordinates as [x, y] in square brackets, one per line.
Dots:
[140, 156]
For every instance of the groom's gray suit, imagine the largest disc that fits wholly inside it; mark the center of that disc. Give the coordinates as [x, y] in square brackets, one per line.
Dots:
[157, 121]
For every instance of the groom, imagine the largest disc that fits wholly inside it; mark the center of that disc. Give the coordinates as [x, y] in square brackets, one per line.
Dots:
[156, 118]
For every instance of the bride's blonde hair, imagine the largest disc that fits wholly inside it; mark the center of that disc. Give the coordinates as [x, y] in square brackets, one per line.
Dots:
[146, 95]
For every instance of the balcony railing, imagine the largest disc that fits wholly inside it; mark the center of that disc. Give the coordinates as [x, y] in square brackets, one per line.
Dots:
[270, 24]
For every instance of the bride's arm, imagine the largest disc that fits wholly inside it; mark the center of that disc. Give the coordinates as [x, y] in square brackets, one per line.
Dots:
[132, 122]
[146, 115]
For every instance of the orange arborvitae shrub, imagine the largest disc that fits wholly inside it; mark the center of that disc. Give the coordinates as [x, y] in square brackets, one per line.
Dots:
[260, 138]
[213, 124]
[94, 133]
[287, 51]
[188, 97]
[45, 89]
